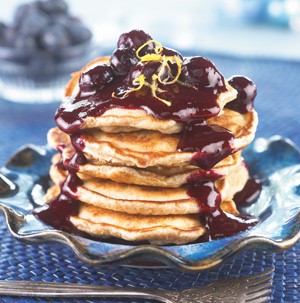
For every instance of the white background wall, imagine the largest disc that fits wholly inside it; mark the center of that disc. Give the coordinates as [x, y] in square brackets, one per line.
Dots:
[189, 24]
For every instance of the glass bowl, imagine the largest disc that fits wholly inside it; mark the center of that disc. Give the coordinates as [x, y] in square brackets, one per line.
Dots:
[35, 76]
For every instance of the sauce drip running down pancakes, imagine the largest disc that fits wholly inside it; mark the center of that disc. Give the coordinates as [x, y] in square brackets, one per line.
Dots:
[149, 145]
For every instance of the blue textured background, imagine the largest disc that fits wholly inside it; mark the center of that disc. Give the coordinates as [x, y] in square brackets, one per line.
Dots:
[278, 106]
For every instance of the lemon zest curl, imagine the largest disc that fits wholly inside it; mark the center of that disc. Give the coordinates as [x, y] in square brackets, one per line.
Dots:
[156, 78]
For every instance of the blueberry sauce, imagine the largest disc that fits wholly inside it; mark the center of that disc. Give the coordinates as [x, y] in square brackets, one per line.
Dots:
[221, 224]
[77, 142]
[72, 164]
[212, 143]
[58, 210]
[246, 94]
[249, 194]
[202, 175]
[60, 164]
[191, 101]
[186, 103]
[218, 223]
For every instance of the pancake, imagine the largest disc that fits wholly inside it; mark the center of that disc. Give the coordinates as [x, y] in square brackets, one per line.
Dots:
[104, 223]
[126, 120]
[152, 148]
[149, 200]
[157, 176]
[153, 176]
[148, 148]
[157, 230]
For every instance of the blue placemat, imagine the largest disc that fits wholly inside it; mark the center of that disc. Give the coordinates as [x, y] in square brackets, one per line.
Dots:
[50, 262]
[278, 105]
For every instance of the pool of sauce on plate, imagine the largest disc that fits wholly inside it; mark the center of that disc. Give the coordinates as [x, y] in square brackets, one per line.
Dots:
[190, 106]
[249, 194]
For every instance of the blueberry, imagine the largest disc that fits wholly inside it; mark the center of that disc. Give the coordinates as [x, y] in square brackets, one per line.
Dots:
[53, 7]
[65, 20]
[79, 33]
[171, 52]
[9, 36]
[20, 13]
[134, 39]
[26, 42]
[201, 72]
[74, 20]
[172, 65]
[147, 69]
[96, 78]
[135, 73]
[2, 30]
[122, 60]
[33, 22]
[54, 37]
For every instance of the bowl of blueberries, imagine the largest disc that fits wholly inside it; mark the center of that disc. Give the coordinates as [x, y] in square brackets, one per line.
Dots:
[39, 49]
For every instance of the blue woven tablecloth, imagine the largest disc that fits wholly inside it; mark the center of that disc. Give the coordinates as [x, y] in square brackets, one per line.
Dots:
[278, 106]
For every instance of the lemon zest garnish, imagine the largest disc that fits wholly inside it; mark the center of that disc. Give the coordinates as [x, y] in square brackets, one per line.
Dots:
[168, 103]
[153, 84]
[139, 80]
[165, 64]
[151, 57]
[154, 89]
[158, 48]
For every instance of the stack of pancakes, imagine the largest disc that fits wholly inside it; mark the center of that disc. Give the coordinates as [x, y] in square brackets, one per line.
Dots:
[134, 184]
